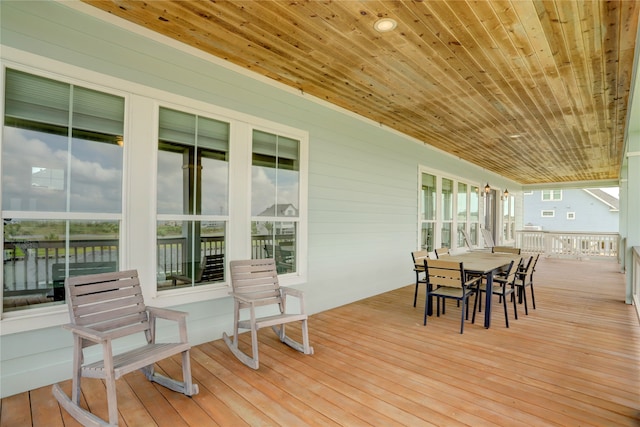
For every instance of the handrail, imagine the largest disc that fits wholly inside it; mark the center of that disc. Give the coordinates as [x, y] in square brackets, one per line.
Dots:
[28, 263]
[569, 244]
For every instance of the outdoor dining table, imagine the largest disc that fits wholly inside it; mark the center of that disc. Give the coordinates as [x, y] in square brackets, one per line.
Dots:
[487, 264]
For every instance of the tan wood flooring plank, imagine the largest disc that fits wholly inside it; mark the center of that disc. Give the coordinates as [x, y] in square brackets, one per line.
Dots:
[236, 403]
[154, 403]
[16, 411]
[282, 407]
[325, 400]
[186, 407]
[573, 361]
[45, 411]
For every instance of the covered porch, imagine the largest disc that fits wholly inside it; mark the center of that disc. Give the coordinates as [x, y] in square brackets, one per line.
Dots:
[575, 360]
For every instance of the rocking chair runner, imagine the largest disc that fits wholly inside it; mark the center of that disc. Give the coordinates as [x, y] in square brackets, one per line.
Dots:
[255, 284]
[107, 306]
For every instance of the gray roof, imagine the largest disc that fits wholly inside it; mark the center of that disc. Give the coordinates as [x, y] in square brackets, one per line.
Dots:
[609, 199]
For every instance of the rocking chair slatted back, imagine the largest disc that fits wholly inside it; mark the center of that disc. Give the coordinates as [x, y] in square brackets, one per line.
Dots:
[108, 302]
[258, 279]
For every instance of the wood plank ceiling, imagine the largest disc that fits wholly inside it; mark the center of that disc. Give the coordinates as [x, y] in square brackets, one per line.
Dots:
[536, 91]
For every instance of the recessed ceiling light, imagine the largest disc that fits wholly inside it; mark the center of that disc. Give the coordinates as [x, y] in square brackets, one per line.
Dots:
[385, 24]
[515, 136]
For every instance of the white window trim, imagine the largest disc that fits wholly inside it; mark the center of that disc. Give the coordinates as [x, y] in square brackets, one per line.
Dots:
[438, 221]
[571, 216]
[135, 227]
[551, 199]
[553, 213]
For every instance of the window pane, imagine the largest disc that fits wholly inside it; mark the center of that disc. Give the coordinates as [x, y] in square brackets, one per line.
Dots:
[446, 235]
[183, 251]
[276, 240]
[275, 175]
[474, 204]
[426, 236]
[447, 199]
[33, 163]
[428, 197]
[36, 259]
[51, 165]
[193, 171]
[95, 183]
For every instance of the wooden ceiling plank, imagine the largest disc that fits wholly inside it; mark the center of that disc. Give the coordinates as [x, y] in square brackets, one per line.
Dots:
[460, 76]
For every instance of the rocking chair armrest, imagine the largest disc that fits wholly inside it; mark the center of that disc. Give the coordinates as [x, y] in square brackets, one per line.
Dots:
[291, 291]
[245, 298]
[166, 313]
[87, 333]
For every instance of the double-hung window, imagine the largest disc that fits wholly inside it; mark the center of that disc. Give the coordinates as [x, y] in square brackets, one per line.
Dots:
[275, 199]
[192, 199]
[447, 206]
[62, 175]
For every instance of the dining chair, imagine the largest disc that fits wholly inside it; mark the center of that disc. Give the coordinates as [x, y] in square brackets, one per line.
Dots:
[440, 252]
[502, 286]
[524, 280]
[505, 250]
[418, 267]
[448, 280]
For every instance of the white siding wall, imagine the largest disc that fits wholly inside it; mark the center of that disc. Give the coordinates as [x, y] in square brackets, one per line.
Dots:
[362, 191]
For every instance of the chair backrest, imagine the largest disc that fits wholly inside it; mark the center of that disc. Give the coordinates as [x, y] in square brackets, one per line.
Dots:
[512, 271]
[444, 273]
[531, 265]
[211, 269]
[107, 302]
[257, 278]
[440, 252]
[488, 238]
[505, 250]
[467, 239]
[418, 258]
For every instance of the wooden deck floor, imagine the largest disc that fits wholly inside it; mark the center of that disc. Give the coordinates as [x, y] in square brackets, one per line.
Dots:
[575, 361]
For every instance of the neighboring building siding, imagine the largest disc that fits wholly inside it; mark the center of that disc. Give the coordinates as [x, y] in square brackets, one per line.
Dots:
[593, 211]
[362, 192]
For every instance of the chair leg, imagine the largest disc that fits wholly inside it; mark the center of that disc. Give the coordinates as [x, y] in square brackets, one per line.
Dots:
[506, 316]
[112, 400]
[533, 297]
[475, 304]
[524, 301]
[462, 314]
[515, 309]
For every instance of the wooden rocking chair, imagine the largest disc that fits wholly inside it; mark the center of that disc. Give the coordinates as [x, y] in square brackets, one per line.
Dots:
[107, 306]
[255, 284]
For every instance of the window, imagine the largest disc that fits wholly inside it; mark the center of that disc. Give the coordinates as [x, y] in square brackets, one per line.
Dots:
[508, 218]
[551, 195]
[428, 211]
[275, 199]
[462, 214]
[193, 199]
[447, 204]
[548, 214]
[571, 215]
[62, 174]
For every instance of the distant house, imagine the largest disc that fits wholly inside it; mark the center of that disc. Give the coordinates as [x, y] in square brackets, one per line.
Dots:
[571, 210]
[280, 211]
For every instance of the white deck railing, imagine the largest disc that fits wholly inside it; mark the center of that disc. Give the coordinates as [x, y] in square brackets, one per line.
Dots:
[569, 244]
